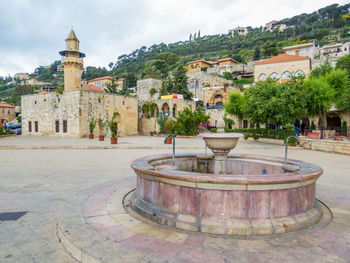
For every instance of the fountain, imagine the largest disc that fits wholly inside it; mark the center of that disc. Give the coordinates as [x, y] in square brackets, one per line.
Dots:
[226, 194]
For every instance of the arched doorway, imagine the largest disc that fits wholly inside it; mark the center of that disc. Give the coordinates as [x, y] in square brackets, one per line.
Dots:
[165, 109]
[217, 101]
[333, 121]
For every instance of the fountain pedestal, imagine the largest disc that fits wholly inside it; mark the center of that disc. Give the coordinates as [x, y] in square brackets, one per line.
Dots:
[221, 144]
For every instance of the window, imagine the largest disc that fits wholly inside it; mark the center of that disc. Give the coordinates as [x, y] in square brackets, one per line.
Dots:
[8, 112]
[57, 126]
[275, 76]
[262, 77]
[245, 124]
[65, 126]
[36, 126]
[3, 111]
[29, 126]
[299, 73]
[286, 75]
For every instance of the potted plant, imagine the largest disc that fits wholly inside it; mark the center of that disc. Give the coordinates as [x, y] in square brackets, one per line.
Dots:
[113, 127]
[101, 127]
[92, 125]
[344, 128]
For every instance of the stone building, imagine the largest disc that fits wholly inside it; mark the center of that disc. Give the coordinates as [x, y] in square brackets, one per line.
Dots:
[104, 81]
[241, 31]
[147, 121]
[282, 67]
[306, 50]
[335, 50]
[197, 81]
[7, 112]
[69, 114]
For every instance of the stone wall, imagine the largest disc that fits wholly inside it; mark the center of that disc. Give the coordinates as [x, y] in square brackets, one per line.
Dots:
[204, 80]
[280, 68]
[77, 108]
[144, 87]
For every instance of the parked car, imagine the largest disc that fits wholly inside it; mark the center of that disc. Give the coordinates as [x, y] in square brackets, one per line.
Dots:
[12, 125]
[17, 131]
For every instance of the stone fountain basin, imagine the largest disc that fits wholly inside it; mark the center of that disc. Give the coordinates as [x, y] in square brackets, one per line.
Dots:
[221, 141]
[257, 198]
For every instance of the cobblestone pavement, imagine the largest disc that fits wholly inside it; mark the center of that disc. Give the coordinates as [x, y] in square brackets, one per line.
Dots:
[82, 191]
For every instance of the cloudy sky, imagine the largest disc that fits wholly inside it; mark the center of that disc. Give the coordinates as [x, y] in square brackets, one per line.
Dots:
[33, 31]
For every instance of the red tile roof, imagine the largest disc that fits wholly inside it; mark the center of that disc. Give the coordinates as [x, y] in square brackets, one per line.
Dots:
[101, 78]
[226, 59]
[90, 87]
[273, 22]
[43, 92]
[5, 105]
[281, 58]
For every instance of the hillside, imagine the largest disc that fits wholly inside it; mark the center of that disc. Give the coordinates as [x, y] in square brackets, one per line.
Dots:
[322, 26]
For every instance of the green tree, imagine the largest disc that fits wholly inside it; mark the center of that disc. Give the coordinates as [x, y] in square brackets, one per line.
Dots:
[320, 97]
[179, 83]
[169, 57]
[156, 68]
[344, 63]
[322, 70]
[112, 87]
[274, 103]
[234, 106]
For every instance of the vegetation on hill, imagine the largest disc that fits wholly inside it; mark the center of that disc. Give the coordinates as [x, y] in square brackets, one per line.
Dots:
[322, 26]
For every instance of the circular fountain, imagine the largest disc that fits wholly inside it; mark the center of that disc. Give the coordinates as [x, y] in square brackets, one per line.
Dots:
[237, 194]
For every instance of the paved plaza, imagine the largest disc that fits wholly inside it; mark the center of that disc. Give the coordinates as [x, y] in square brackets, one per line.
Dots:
[72, 191]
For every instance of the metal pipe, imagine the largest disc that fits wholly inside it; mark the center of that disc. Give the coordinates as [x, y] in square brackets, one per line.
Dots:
[286, 149]
[173, 136]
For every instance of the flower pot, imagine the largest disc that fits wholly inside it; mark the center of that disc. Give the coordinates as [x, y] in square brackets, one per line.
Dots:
[168, 140]
[338, 138]
[101, 138]
[312, 136]
[91, 136]
[114, 140]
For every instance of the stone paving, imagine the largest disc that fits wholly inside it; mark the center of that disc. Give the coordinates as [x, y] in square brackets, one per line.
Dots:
[81, 190]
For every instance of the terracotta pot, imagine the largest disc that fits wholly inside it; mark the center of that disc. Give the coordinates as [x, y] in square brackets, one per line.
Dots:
[114, 140]
[101, 138]
[168, 140]
[91, 136]
[312, 136]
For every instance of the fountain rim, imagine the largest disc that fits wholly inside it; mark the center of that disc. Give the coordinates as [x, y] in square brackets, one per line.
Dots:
[230, 135]
[307, 171]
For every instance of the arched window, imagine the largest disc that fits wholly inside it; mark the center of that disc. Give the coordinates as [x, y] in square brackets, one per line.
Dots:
[287, 75]
[275, 76]
[197, 65]
[192, 67]
[299, 73]
[262, 77]
[174, 110]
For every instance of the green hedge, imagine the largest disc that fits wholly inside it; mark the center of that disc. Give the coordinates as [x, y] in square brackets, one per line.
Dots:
[264, 133]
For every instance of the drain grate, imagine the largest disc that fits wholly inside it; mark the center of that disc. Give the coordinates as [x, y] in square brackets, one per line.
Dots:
[12, 216]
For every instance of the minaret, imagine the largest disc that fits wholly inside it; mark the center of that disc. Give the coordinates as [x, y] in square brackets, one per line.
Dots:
[72, 63]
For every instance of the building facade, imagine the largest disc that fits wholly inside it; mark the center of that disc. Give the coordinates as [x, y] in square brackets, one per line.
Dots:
[306, 50]
[241, 31]
[104, 81]
[69, 114]
[282, 67]
[7, 112]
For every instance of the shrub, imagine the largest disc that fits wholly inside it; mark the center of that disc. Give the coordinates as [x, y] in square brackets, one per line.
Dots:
[344, 127]
[113, 125]
[213, 130]
[256, 137]
[101, 125]
[312, 126]
[92, 125]
[152, 91]
[170, 127]
[246, 136]
[161, 121]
